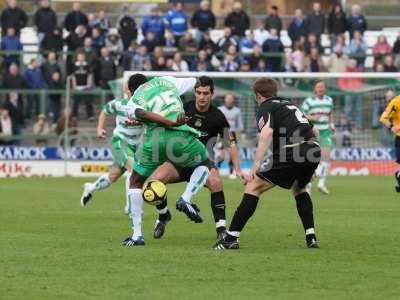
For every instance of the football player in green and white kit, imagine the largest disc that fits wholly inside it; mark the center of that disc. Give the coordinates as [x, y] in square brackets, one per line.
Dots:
[125, 139]
[319, 111]
[178, 145]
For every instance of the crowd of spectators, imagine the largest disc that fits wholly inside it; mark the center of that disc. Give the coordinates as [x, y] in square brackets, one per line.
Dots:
[98, 51]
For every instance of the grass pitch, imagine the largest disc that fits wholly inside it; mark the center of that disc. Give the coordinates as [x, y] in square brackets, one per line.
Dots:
[51, 248]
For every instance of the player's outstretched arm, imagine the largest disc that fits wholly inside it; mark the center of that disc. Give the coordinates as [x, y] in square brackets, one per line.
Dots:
[147, 116]
[387, 115]
[101, 132]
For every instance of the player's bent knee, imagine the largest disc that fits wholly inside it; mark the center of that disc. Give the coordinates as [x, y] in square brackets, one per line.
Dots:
[257, 186]
[214, 182]
[166, 173]
[136, 180]
[296, 190]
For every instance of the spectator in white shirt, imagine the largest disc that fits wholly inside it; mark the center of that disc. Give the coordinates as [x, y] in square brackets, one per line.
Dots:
[233, 115]
[260, 34]
[179, 64]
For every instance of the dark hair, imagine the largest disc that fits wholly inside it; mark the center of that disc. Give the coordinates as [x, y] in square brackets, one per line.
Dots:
[266, 87]
[205, 81]
[318, 80]
[135, 81]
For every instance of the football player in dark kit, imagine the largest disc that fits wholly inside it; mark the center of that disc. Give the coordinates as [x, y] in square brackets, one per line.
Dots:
[213, 125]
[295, 156]
[211, 122]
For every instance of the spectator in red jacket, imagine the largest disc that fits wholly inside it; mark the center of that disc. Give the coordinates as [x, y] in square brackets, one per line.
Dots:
[381, 49]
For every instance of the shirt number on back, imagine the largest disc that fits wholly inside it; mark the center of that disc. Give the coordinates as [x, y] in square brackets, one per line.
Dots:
[164, 103]
[299, 115]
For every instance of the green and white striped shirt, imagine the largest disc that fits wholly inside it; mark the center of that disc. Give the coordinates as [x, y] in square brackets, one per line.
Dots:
[324, 106]
[161, 95]
[124, 128]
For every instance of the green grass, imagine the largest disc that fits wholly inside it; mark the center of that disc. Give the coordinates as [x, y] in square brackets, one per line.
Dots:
[51, 248]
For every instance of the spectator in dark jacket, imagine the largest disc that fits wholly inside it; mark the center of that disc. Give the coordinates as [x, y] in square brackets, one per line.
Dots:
[227, 40]
[56, 83]
[201, 63]
[45, 19]
[337, 23]
[313, 62]
[356, 21]
[50, 66]
[297, 28]
[312, 42]
[273, 45]
[207, 42]
[15, 106]
[315, 22]
[82, 80]
[238, 20]
[102, 21]
[203, 19]
[255, 58]
[396, 46]
[188, 43]
[75, 18]
[13, 80]
[74, 41]
[388, 65]
[138, 60]
[11, 42]
[98, 40]
[106, 69]
[150, 42]
[90, 52]
[127, 28]
[92, 23]
[35, 81]
[13, 16]
[273, 20]
[53, 41]
[154, 23]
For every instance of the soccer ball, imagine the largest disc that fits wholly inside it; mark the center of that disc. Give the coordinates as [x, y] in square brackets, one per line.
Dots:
[154, 192]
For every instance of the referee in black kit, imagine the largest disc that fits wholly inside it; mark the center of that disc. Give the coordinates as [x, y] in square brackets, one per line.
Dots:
[295, 156]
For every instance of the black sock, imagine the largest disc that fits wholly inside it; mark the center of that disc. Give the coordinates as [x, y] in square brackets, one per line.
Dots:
[218, 206]
[243, 212]
[397, 175]
[305, 210]
[162, 205]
